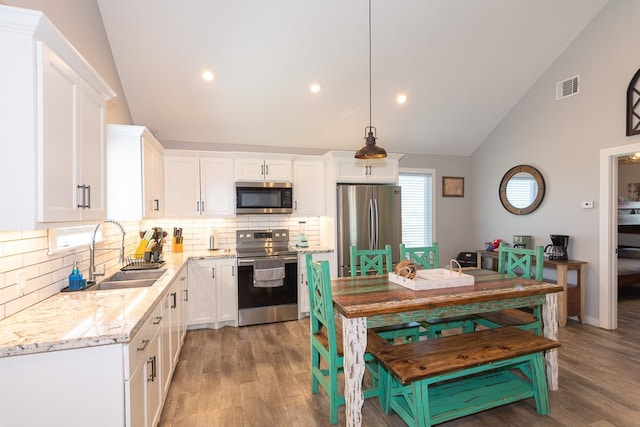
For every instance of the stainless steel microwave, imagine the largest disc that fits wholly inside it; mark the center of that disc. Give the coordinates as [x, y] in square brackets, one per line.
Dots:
[264, 198]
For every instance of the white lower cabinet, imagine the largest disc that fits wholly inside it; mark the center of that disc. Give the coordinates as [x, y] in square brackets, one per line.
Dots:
[178, 305]
[213, 299]
[303, 284]
[143, 373]
[114, 385]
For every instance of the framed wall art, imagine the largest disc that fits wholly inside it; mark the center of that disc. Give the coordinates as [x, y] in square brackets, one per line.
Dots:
[452, 186]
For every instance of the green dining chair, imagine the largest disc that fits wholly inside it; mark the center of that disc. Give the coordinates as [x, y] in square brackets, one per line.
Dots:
[379, 261]
[517, 262]
[426, 256]
[326, 341]
[371, 261]
[429, 257]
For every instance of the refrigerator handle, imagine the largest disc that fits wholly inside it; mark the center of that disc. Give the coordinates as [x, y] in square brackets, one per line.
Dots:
[376, 226]
[372, 243]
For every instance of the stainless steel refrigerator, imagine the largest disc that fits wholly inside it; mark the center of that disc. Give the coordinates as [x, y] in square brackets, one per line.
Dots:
[369, 217]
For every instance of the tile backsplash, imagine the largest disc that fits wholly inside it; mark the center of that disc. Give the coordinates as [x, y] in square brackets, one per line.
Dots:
[196, 232]
[26, 252]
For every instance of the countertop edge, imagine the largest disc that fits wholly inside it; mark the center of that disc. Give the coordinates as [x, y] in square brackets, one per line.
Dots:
[19, 333]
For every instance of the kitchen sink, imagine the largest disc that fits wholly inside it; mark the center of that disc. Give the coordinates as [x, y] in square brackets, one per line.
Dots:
[135, 275]
[128, 280]
[123, 284]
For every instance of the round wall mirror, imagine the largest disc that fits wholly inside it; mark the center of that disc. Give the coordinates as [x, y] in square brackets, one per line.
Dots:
[522, 189]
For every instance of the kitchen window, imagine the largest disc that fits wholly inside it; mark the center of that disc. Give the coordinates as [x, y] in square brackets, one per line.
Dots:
[66, 238]
[417, 186]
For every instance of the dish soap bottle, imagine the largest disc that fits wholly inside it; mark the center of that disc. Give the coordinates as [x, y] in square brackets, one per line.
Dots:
[75, 278]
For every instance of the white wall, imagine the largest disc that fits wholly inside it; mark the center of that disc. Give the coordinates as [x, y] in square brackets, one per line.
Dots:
[452, 214]
[81, 24]
[563, 140]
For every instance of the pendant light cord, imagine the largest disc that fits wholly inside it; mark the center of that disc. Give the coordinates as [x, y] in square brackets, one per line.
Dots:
[370, 97]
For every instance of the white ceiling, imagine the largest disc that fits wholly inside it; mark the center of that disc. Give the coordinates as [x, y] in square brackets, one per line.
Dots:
[463, 64]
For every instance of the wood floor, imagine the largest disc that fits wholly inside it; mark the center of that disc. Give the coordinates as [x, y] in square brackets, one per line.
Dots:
[259, 376]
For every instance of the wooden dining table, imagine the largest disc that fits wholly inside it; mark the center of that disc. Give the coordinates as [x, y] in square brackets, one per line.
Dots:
[372, 301]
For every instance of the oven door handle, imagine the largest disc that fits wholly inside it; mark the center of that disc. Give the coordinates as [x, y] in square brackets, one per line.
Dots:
[251, 261]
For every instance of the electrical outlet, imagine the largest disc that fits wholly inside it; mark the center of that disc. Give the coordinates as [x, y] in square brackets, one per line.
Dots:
[586, 205]
[21, 280]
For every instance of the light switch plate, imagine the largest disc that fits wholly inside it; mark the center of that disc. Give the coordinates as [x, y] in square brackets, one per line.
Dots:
[587, 205]
[21, 281]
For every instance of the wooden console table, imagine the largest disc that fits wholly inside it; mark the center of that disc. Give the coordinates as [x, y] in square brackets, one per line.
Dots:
[571, 300]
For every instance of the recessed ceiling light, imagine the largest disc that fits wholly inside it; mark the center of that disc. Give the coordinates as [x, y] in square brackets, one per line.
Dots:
[315, 87]
[401, 99]
[208, 75]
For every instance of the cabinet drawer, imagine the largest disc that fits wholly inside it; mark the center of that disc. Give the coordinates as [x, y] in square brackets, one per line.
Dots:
[136, 350]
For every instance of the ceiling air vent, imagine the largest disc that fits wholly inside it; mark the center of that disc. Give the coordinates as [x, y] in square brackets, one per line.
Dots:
[568, 87]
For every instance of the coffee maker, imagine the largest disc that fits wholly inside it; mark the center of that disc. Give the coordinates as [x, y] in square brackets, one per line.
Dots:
[557, 250]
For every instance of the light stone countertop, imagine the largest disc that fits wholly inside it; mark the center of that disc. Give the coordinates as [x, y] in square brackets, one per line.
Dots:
[311, 249]
[90, 318]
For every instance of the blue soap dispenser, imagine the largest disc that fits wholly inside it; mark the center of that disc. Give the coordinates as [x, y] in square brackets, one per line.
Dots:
[75, 278]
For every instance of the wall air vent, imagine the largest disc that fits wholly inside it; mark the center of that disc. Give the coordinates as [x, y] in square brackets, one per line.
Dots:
[568, 87]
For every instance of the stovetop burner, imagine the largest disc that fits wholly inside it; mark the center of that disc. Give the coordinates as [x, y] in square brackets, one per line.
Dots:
[256, 243]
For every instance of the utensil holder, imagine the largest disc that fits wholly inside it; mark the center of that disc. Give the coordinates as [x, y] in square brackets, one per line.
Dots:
[176, 246]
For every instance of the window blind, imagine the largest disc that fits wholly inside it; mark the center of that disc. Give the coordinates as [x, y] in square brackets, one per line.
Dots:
[416, 209]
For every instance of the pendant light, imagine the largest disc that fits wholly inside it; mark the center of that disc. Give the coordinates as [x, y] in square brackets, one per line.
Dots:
[370, 150]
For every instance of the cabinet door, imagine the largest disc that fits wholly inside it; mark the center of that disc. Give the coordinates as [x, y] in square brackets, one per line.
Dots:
[263, 169]
[153, 373]
[135, 399]
[71, 148]
[249, 170]
[308, 187]
[216, 186]
[349, 169]
[58, 195]
[170, 335]
[182, 186]
[202, 303]
[227, 290]
[183, 298]
[383, 170]
[278, 170]
[153, 180]
[303, 286]
[92, 152]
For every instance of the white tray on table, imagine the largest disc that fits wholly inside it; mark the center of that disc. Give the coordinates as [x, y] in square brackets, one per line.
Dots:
[435, 278]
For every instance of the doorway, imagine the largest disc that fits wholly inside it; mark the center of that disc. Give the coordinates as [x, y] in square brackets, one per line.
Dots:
[608, 232]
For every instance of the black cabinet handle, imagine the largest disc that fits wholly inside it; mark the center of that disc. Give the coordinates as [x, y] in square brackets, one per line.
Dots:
[144, 345]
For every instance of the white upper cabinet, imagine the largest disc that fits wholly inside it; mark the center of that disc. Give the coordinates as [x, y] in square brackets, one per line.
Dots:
[182, 185]
[52, 112]
[270, 167]
[198, 184]
[308, 186]
[217, 191]
[134, 173]
[349, 169]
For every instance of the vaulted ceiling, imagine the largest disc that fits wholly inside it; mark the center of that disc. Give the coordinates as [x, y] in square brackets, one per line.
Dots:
[463, 65]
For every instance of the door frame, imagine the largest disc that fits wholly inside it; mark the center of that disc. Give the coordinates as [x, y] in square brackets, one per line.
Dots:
[608, 230]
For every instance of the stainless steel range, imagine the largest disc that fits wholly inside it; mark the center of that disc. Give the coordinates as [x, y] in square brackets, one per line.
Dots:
[267, 277]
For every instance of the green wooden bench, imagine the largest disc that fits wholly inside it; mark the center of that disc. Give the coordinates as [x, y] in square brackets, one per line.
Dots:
[433, 381]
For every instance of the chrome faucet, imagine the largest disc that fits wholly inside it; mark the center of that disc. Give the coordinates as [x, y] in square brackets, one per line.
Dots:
[92, 250]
